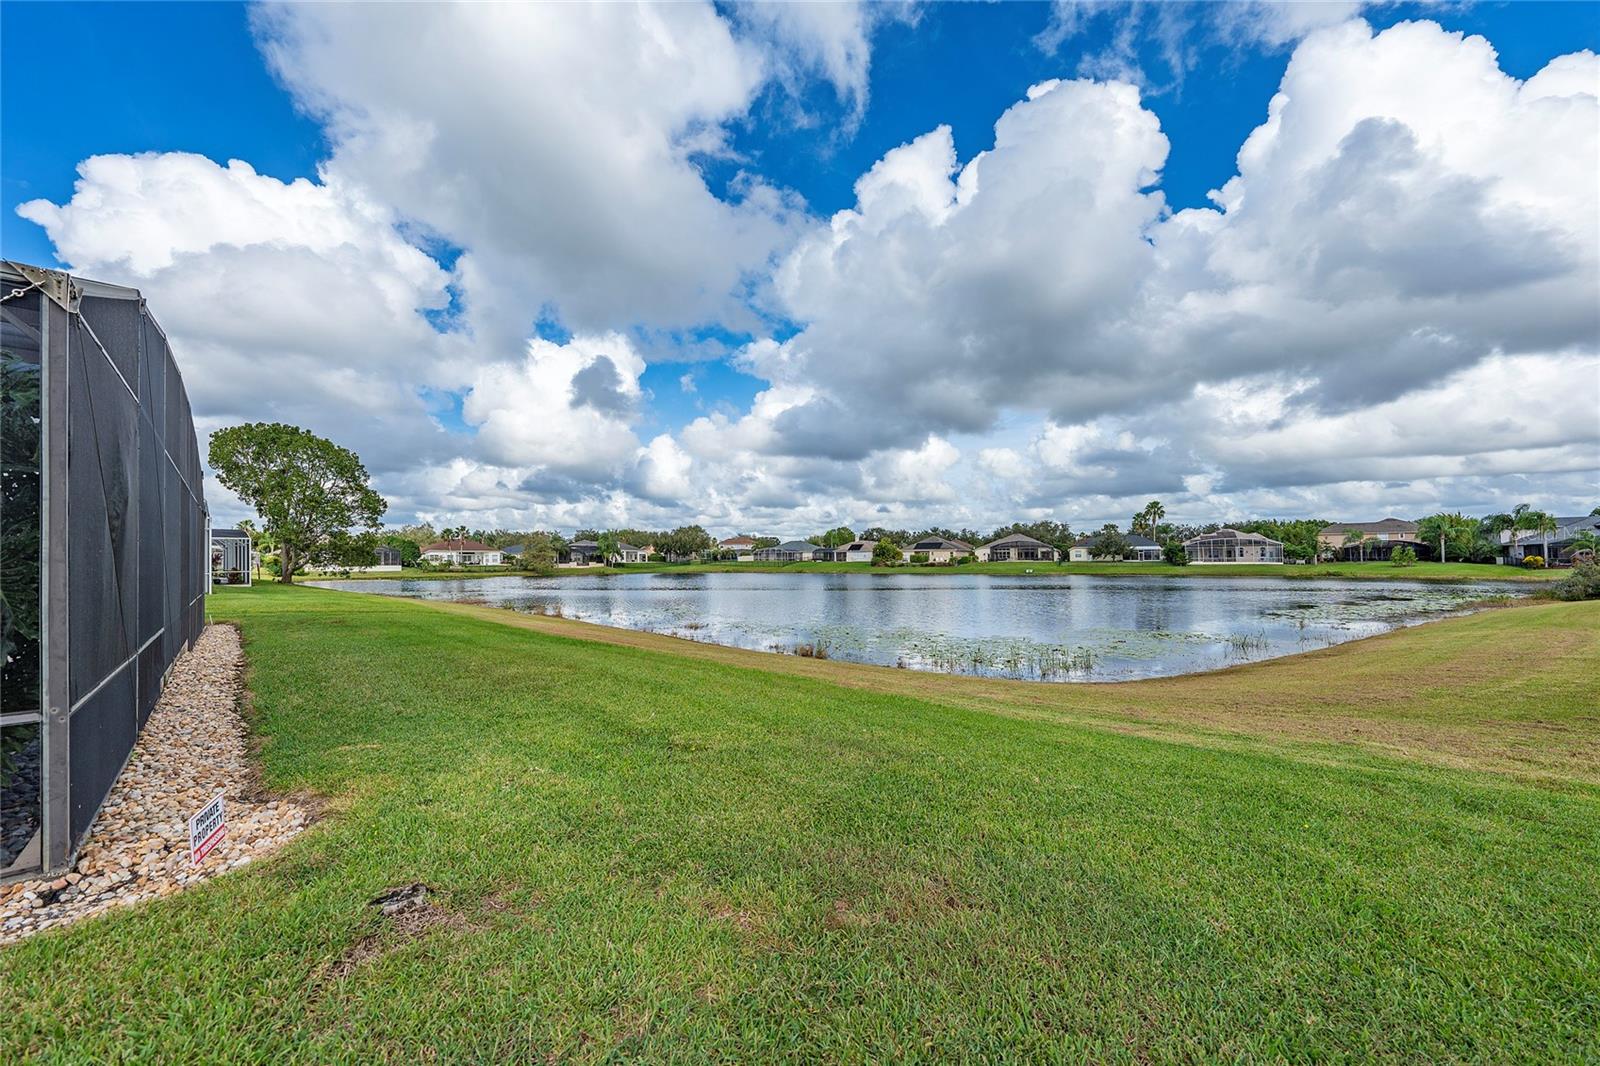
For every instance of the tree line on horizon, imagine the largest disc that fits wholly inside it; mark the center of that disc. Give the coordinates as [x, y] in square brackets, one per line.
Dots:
[317, 509]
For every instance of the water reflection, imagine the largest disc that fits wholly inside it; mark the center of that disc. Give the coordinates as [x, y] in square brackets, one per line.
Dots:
[1068, 628]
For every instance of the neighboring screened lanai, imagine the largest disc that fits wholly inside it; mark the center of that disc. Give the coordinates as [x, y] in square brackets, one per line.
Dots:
[104, 571]
[230, 556]
[1233, 546]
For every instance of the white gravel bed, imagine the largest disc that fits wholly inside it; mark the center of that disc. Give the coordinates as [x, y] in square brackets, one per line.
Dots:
[195, 745]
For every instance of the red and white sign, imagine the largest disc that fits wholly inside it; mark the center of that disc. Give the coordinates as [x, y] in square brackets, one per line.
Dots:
[206, 828]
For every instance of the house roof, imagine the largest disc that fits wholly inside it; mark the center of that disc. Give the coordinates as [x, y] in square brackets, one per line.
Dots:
[1134, 540]
[1016, 538]
[624, 546]
[1234, 534]
[940, 544]
[1387, 525]
[794, 546]
[736, 542]
[857, 546]
[458, 545]
[229, 534]
[511, 549]
[585, 545]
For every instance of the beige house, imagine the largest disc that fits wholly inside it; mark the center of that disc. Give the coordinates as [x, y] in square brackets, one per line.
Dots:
[1378, 539]
[743, 548]
[940, 549]
[1017, 547]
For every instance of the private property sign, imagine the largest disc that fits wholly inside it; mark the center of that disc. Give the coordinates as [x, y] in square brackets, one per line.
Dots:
[206, 828]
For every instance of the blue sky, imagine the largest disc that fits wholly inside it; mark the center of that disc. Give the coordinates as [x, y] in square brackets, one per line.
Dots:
[188, 77]
[193, 78]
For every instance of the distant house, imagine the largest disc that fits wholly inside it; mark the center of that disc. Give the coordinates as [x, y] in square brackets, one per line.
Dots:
[742, 548]
[1378, 539]
[1140, 550]
[1559, 549]
[857, 551]
[940, 549]
[230, 557]
[388, 561]
[587, 553]
[512, 552]
[1232, 546]
[462, 552]
[794, 551]
[1017, 547]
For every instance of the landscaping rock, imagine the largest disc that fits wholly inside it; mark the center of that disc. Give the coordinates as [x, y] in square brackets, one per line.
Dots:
[195, 745]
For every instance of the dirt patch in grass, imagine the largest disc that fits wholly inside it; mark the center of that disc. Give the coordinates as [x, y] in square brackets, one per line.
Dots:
[391, 932]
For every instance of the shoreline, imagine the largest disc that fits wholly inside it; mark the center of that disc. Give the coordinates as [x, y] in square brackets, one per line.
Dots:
[1421, 573]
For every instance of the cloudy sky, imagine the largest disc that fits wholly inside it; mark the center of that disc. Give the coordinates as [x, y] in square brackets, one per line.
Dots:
[775, 268]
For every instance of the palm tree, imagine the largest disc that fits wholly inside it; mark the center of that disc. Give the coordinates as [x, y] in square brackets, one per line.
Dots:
[1354, 538]
[1445, 527]
[1545, 524]
[1146, 520]
[1520, 523]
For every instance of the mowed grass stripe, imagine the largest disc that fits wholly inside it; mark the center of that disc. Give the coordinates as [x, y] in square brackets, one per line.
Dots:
[657, 857]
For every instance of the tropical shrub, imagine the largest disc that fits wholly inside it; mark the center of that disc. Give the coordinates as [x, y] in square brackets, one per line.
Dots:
[1109, 543]
[1533, 562]
[1405, 555]
[919, 558]
[1582, 584]
[1173, 552]
[963, 560]
[887, 553]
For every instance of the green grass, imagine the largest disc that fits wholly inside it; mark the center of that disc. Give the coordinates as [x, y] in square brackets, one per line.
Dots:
[668, 852]
[1451, 572]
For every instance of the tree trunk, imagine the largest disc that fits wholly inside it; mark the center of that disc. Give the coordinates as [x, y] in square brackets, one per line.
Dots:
[285, 565]
[1441, 547]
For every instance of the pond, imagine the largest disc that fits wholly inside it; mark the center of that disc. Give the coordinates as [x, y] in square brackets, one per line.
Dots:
[1042, 628]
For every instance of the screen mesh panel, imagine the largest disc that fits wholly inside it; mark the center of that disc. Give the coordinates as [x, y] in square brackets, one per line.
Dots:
[21, 648]
[126, 552]
[102, 733]
[103, 468]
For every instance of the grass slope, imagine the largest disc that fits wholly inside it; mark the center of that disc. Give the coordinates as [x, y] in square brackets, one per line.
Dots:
[1448, 572]
[655, 856]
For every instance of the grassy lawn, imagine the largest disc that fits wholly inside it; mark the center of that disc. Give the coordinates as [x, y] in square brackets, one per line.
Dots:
[657, 851]
[1452, 572]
